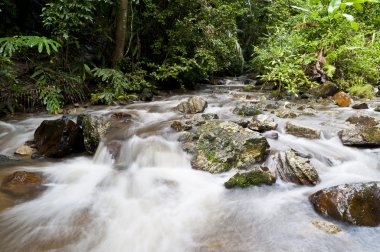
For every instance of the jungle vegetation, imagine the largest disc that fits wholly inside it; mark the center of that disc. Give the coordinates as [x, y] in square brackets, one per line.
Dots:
[59, 52]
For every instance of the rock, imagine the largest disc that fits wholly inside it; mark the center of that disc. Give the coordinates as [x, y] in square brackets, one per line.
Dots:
[179, 126]
[342, 99]
[121, 115]
[22, 183]
[360, 136]
[94, 129]
[25, 150]
[271, 106]
[361, 120]
[146, 95]
[58, 138]
[208, 117]
[246, 110]
[271, 135]
[255, 177]
[194, 105]
[360, 106]
[325, 90]
[284, 113]
[377, 109]
[262, 123]
[5, 158]
[221, 146]
[292, 167]
[326, 226]
[302, 131]
[358, 203]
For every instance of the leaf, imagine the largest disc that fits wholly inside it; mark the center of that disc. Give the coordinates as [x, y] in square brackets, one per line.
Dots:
[349, 17]
[334, 4]
[355, 25]
[300, 8]
[40, 47]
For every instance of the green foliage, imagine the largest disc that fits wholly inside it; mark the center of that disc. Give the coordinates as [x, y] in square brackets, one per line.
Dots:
[362, 91]
[116, 85]
[11, 45]
[288, 56]
[52, 98]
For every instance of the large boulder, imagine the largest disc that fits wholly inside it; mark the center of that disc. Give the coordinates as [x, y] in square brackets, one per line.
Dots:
[58, 138]
[193, 105]
[342, 99]
[360, 136]
[22, 184]
[255, 177]
[94, 129]
[325, 90]
[220, 146]
[262, 123]
[246, 110]
[358, 204]
[362, 120]
[293, 167]
[302, 131]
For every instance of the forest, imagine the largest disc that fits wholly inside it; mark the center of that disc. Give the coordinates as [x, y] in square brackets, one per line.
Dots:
[59, 52]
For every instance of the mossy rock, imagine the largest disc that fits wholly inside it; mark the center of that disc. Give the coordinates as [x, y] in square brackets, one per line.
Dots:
[252, 178]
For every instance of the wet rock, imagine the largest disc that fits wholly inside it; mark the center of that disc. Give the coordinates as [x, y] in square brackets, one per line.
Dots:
[325, 90]
[208, 117]
[342, 99]
[292, 167]
[146, 95]
[255, 177]
[58, 138]
[94, 129]
[271, 135]
[180, 126]
[360, 136]
[326, 226]
[358, 203]
[5, 158]
[361, 120]
[114, 148]
[221, 146]
[377, 109]
[302, 131]
[285, 113]
[243, 123]
[360, 106]
[25, 150]
[271, 106]
[194, 105]
[22, 184]
[121, 116]
[262, 123]
[246, 110]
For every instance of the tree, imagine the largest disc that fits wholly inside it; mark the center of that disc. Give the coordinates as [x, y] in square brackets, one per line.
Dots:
[120, 32]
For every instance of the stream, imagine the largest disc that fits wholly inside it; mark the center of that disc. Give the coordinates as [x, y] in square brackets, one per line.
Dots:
[157, 202]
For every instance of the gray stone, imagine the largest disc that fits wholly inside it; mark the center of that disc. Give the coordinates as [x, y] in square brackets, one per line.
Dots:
[254, 177]
[220, 146]
[193, 105]
[360, 136]
[94, 129]
[302, 131]
[292, 167]
[262, 123]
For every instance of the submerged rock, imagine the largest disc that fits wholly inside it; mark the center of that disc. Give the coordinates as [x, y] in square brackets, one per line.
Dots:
[246, 110]
[22, 184]
[362, 120]
[58, 138]
[342, 99]
[262, 123]
[94, 129]
[358, 204]
[360, 106]
[360, 136]
[377, 109]
[255, 177]
[193, 105]
[326, 226]
[292, 167]
[302, 131]
[221, 146]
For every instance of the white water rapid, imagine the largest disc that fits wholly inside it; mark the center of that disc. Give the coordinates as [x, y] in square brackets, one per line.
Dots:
[150, 199]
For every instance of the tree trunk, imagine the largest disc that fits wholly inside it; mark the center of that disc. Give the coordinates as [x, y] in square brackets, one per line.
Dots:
[120, 32]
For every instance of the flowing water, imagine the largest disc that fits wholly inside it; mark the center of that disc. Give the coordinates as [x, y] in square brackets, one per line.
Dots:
[150, 199]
